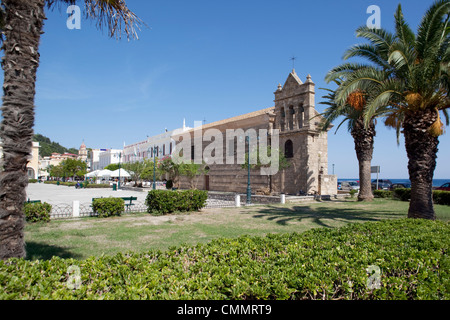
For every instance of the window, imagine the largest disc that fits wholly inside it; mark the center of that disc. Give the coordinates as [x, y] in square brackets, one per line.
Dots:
[170, 148]
[192, 152]
[301, 116]
[289, 149]
[164, 149]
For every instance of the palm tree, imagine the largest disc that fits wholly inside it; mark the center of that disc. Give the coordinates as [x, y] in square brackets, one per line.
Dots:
[363, 136]
[409, 86]
[22, 22]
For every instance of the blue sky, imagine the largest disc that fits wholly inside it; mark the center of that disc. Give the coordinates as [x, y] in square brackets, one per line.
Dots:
[204, 60]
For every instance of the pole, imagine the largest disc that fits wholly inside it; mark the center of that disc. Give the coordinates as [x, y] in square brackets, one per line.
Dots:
[154, 168]
[120, 158]
[377, 178]
[249, 190]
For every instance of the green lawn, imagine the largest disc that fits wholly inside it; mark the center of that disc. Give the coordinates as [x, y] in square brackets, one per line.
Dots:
[87, 237]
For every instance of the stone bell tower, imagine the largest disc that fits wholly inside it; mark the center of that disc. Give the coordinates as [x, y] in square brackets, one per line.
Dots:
[304, 145]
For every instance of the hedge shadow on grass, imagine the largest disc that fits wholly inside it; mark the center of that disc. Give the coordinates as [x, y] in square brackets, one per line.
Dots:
[319, 215]
[42, 251]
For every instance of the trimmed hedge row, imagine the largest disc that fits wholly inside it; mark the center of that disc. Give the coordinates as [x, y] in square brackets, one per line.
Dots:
[37, 212]
[439, 197]
[411, 256]
[166, 201]
[107, 207]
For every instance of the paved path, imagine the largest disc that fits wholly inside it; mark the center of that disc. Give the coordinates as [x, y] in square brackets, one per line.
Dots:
[66, 195]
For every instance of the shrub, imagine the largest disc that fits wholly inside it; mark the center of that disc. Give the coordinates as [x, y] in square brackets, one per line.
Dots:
[98, 186]
[107, 207]
[353, 192]
[382, 193]
[166, 201]
[411, 254]
[441, 197]
[37, 212]
[32, 181]
[402, 194]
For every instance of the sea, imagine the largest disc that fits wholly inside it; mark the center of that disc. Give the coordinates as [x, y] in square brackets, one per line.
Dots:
[436, 182]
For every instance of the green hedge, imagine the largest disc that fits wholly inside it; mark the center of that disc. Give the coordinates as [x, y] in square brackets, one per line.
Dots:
[61, 183]
[411, 254]
[37, 212]
[402, 194]
[382, 193]
[165, 201]
[439, 197]
[98, 186]
[107, 207]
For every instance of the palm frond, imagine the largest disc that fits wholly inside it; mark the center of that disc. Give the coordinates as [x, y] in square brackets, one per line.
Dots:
[403, 31]
[340, 72]
[112, 14]
[369, 52]
[431, 29]
[378, 37]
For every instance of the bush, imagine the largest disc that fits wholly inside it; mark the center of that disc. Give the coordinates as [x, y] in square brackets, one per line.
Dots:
[166, 201]
[98, 186]
[441, 197]
[411, 254]
[107, 207]
[37, 212]
[382, 193]
[402, 194]
[32, 181]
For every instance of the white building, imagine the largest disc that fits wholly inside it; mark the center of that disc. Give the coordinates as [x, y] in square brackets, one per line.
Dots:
[110, 156]
[161, 144]
[94, 159]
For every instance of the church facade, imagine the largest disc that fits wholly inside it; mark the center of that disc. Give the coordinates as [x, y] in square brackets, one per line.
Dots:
[293, 122]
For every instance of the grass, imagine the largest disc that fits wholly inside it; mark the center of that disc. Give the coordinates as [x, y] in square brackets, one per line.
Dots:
[88, 237]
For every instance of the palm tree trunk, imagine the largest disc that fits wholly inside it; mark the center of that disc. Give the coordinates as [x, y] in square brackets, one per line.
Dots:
[421, 148]
[22, 30]
[364, 138]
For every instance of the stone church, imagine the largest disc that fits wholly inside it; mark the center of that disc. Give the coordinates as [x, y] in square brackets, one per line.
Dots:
[301, 141]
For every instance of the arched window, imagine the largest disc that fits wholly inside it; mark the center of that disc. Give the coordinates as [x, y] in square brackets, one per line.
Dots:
[288, 149]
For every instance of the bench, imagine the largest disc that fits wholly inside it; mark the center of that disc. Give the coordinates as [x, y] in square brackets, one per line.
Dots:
[131, 199]
[128, 205]
[33, 201]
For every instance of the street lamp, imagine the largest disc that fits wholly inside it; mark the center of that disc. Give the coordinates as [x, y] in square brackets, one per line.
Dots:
[249, 189]
[154, 167]
[120, 157]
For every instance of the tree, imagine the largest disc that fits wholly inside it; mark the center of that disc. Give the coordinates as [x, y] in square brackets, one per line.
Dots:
[363, 136]
[192, 170]
[22, 29]
[409, 84]
[112, 167]
[147, 173]
[74, 168]
[56, 171]
[171, 168]
[137, 170]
